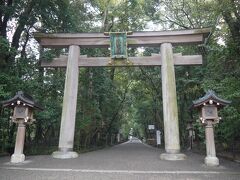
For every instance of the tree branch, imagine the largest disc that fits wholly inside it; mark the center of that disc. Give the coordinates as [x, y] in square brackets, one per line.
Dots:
[23, 51]
[187, 15]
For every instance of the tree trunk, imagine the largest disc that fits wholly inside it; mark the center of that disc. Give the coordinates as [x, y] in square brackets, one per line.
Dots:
[232, 18]
[4, 18]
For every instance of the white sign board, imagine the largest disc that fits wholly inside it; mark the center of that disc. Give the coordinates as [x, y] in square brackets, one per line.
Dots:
[151, 127]
[158, 134]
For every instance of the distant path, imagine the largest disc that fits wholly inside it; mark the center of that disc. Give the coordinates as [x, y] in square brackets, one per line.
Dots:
[127, 161]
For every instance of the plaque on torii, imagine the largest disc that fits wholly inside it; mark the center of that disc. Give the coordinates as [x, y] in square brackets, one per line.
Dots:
[118, 45]
[166, 59]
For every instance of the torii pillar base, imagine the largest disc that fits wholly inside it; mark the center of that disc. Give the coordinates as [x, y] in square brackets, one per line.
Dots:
[211, 161]
[64, 154]
[172, 157]
[17, 158]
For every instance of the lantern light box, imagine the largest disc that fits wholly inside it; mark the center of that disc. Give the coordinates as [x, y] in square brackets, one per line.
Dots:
[23, 106]
[209, 105]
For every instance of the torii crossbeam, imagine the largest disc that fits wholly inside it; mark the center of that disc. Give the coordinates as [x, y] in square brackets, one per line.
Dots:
[166, 59]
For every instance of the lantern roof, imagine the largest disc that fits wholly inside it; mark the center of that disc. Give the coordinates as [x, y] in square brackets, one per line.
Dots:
[21, 98]
[210, 98]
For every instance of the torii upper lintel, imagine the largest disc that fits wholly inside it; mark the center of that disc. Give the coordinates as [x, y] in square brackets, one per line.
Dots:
[137, 39]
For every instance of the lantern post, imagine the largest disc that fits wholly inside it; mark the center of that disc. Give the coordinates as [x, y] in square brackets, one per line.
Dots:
[190, 133]
[208, 107]
[23, 106]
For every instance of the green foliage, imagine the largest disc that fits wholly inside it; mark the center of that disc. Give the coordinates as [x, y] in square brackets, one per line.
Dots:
[223, 76]
[5, 51]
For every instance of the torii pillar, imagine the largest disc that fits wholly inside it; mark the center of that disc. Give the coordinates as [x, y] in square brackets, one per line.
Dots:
[67, 130]
[170, 111]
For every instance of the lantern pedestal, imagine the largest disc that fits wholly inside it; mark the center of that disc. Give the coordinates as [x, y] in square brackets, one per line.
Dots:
[18, 155]
[211, 159]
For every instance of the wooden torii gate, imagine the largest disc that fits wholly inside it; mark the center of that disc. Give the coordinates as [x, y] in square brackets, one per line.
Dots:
[166, 59]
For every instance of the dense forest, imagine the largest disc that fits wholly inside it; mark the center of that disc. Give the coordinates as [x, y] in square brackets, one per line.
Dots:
[113, 100]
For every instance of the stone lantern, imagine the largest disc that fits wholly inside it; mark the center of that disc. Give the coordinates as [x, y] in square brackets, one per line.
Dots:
[208, 107]
[23, 106]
